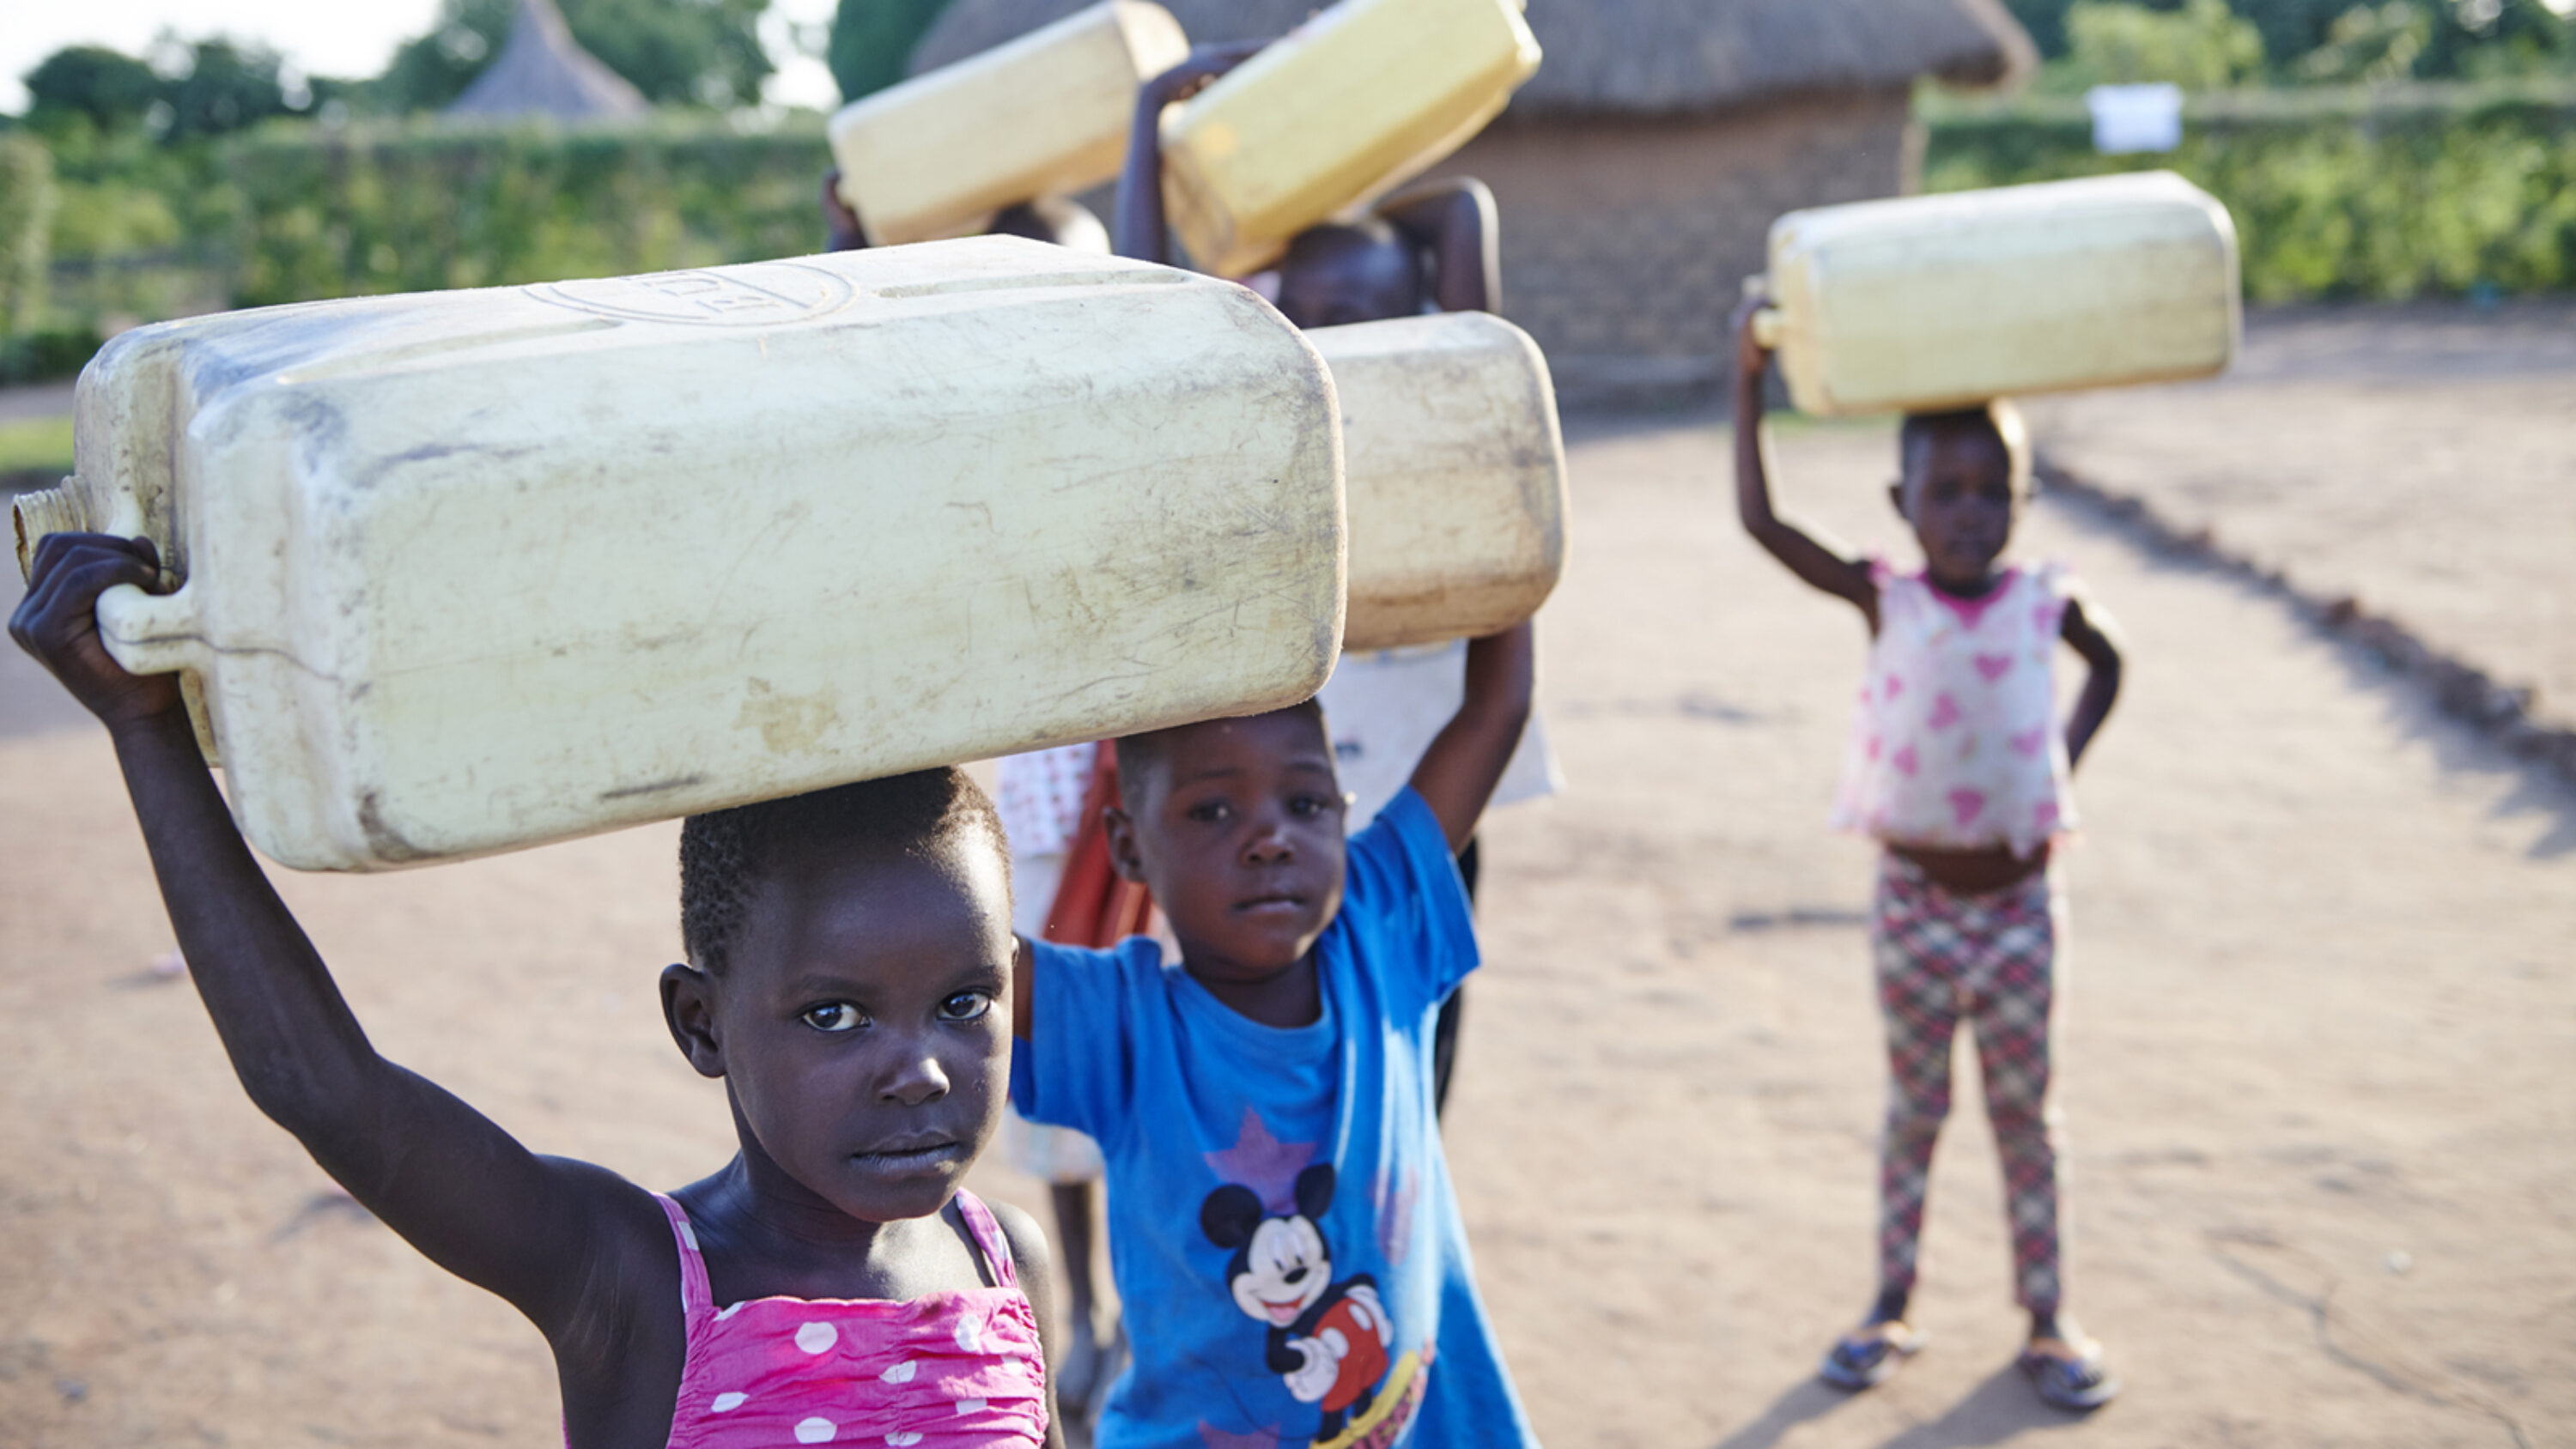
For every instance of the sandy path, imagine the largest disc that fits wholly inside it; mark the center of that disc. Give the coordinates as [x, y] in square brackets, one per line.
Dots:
[2422, 458]
[2322, 1013]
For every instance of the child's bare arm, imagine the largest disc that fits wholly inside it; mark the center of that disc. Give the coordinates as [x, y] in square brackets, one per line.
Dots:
[1811, 556]
[2094, 639]
[1035, 1264]
[446, 1178]
[1141, 232]
[1456, 222]
[1139, 184]
[1458, 773]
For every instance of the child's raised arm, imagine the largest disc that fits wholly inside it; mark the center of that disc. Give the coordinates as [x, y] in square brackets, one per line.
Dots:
[1460, 769]
[1811, 556]
[1141, 233]
[545, 1234]
[1456, 222]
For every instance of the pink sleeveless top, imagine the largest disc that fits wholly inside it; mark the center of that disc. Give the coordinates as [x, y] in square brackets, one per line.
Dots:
[942, 1371]
[1956, 742]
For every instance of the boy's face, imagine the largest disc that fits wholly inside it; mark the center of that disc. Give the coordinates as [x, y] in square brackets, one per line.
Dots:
[1236, 826]
[1352, 281]
[863, 1024]
[1958, 493]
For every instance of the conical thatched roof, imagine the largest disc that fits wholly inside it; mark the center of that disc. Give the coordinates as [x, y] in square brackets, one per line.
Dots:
[543, 71]
[1637, 57]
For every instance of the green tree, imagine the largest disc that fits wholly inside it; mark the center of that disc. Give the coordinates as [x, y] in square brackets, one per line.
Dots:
[2204, 46]
[226, 87]
[108, 87]
[2046, 22]
[872, 41]
[2468, 38]
[2476, 39]
[677, 52]
[27, 200]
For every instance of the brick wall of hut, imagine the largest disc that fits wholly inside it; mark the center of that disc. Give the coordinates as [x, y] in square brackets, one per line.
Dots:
[1625, 242]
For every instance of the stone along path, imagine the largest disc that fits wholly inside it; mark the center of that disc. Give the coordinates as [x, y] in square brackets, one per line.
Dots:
[2314, 1061]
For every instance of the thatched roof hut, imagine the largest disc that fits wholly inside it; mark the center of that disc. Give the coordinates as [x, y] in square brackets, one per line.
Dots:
[1638, 172]
[1631, 57]
[543, 71]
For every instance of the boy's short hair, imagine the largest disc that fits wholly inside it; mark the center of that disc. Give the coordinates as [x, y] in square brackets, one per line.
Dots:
[1146, 756]
[1999, 420]
[726, 855]
[1328, 239]
[1327, 244]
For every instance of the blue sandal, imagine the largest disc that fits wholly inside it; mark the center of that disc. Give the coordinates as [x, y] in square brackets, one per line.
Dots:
[2078, 1384]
[1864, 1359]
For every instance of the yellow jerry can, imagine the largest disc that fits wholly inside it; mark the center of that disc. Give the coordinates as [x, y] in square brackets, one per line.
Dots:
[1931, 302]
[467, 571]
[1341, 110]
[1044, 115]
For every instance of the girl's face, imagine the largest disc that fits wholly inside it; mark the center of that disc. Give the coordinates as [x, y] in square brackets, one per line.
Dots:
[1958, 493]
[863, 1025]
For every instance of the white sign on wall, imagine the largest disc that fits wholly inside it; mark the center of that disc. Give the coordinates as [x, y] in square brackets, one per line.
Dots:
[2129, 119]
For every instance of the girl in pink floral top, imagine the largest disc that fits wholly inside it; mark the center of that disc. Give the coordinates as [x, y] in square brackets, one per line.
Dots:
[1958, 765]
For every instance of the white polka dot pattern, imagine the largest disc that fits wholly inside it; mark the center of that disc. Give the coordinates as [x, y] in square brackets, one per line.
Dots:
[961, 1369]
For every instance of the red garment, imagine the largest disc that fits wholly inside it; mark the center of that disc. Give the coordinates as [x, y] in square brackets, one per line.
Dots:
[1093, 906]
[1363, 1357]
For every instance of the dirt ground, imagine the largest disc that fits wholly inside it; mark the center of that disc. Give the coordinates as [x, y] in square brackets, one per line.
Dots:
[2422, 459]
[2314, 1062]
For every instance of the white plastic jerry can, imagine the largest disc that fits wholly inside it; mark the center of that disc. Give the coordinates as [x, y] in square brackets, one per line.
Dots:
[1931, 302]
[1046, 114]
[1456, 476]
[468, 571]
[1355, 102]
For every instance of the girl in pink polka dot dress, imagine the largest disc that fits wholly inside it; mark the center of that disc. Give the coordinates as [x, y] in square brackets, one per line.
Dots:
[1958, 765]
[849, 980]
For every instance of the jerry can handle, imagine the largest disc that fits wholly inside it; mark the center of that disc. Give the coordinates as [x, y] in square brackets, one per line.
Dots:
[151, 633]
[1769, 328]
[1768, 325]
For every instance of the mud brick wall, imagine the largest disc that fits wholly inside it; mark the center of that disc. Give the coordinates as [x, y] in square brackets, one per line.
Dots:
[1626, 241]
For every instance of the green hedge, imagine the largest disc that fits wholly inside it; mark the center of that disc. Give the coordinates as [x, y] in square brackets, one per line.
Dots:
[424, 206]
[2384, 193]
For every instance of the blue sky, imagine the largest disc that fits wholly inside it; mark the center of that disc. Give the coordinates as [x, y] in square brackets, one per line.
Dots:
[324, 37]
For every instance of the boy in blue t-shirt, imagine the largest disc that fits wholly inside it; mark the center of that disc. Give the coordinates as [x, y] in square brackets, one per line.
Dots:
[1281, 1224]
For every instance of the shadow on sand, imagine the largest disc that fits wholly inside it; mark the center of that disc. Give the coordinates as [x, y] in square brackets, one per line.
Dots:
[2409, 707]
[1996, 1410]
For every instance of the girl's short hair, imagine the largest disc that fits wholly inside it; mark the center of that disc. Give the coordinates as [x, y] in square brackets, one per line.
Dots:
[2000, 420]
[726, 855]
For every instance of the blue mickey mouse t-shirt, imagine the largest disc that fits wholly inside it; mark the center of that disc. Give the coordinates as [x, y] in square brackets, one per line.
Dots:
[1281, 1222]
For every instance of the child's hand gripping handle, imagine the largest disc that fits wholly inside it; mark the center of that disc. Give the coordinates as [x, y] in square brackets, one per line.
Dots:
[145, 632]
[89, 619]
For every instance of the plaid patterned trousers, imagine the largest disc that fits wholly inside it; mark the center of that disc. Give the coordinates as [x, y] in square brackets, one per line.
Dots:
[1990, 959]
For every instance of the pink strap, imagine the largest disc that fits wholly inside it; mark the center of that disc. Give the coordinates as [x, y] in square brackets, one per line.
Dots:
[696, 1300]
[988, 1238]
